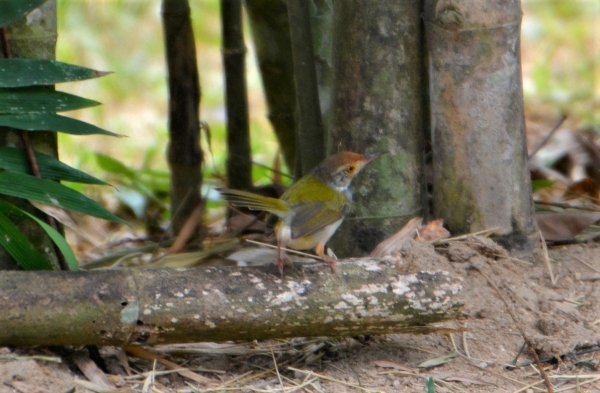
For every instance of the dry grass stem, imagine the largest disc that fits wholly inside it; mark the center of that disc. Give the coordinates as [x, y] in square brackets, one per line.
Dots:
[547, 137]
[326, 378]
[149, 380]
[144, 374]
[465, 344]
[277, 369]
[521, 261]
[469, 359]
[587, 264]
[547, 258]
[94, 387]
[34, 357]
[531, 385]
[483, 233]
[288, 250]
[142, 353]
[578, 385]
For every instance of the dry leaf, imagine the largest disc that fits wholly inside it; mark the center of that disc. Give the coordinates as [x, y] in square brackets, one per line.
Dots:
[395, 366]
[94, 387]
[23, 387]
[586, 188]
[564, 226]
[91, 371]
[433, 230]
[253, 256]
[395, 242]
[188, 229]
[143, 353]
[438, 361]
[62, 216]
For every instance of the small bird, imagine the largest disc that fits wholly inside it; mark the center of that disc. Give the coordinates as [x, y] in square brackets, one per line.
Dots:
[313, 208]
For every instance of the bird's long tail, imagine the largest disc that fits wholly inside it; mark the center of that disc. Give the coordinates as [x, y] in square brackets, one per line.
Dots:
[238, 198]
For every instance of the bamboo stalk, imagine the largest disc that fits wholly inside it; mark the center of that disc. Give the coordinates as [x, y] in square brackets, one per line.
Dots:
[239, 160]
[311, 137]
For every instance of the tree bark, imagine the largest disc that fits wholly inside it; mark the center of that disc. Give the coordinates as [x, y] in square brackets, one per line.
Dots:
[378, 90]
[270, 28]
[239, 159]
[321, 18]
[479, 151]
[32, 37]
[157, 306]
[311, 136]
[184, 153]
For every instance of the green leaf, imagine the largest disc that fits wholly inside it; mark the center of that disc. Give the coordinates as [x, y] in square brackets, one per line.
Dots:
[19, 247]
[52, 193]
[56, 237]
[51, 122]
[14, 160]
[541, 184]
[33, 72]
[60, 242]
[40, 99]
[113, 165]
[430, 385]
[11, 10]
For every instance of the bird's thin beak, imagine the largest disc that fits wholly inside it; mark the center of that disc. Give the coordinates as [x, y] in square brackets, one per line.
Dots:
[372, 156]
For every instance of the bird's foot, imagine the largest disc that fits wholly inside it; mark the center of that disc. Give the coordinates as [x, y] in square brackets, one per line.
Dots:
[328, 258]
[280, 263]
[331, 261]
[280, 257]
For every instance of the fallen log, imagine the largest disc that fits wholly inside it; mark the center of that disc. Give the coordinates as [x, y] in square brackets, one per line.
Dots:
[162, 305]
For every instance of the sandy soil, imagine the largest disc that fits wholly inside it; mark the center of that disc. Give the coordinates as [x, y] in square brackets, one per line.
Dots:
[561, 320]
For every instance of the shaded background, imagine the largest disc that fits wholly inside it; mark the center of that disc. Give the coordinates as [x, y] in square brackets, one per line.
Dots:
[561, 74]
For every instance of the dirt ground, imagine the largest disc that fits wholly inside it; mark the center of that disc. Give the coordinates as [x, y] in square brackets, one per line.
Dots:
[561, 321]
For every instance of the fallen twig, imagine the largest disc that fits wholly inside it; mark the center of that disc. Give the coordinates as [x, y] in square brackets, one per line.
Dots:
[547, 137]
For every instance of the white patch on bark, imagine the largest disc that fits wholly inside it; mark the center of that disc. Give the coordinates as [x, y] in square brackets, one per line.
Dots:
[295, 294]
[341, 306]
[402, 284]
[210, 324]
[351, 299]
[372, 288]
[129, 314]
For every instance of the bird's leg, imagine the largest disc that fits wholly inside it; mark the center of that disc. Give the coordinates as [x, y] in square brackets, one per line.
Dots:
[320, 250]
[280, 256]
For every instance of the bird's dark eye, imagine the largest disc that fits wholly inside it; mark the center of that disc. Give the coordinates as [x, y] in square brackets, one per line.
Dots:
[350, 169]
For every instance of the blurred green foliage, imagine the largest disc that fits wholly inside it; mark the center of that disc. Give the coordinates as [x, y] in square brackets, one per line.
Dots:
[561, 70]
[561, 59]
[126, 37]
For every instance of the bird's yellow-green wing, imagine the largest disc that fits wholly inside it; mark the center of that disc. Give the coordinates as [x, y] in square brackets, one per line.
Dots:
[315, 205]
[313, 216]
[238, 198]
